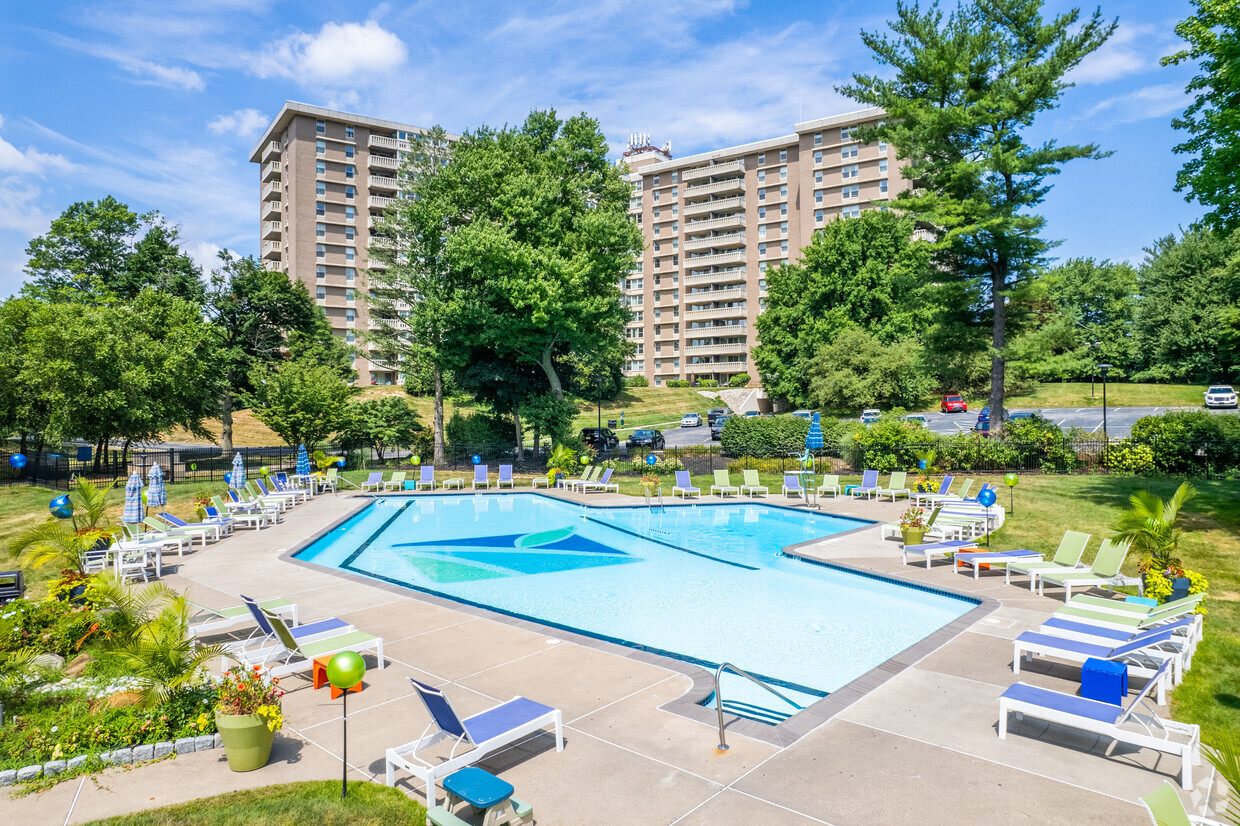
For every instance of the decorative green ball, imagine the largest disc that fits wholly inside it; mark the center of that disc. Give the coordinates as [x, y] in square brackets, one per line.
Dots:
[585, 460]
[417, 460]
[1010, 479]
[346, 669]
[263, 470]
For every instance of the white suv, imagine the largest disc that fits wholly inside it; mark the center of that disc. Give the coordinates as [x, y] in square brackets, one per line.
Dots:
[1221, 395]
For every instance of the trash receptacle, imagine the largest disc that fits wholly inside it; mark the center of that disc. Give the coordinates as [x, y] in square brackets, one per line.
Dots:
[611, 423]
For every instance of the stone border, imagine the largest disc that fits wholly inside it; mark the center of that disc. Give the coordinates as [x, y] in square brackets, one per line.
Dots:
[689, 704]
[116, 757]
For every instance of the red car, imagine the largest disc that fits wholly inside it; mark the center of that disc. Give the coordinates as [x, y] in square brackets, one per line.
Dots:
[953, 404]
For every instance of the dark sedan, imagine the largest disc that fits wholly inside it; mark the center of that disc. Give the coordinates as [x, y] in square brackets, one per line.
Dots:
[651, 439]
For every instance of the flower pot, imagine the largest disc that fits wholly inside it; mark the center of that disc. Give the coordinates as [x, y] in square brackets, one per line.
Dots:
[559, 477]
[1179, 588]
[913, 536]
[247, 740]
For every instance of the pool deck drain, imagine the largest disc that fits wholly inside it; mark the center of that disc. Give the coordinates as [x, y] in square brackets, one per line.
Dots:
[918, 745]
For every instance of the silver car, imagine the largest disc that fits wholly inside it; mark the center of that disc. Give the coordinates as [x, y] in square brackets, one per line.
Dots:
[1221, 395]
[691, 420]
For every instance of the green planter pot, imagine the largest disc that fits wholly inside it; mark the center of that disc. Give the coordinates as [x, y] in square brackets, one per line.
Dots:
[913, 536]
[247, 740]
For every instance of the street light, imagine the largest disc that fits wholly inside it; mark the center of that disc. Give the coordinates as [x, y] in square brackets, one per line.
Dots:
[1103, 368]
[598, 384]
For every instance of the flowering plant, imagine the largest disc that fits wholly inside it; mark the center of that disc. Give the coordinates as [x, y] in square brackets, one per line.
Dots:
[914, 517]
[650, 480]
[249, 691]
[924, 485]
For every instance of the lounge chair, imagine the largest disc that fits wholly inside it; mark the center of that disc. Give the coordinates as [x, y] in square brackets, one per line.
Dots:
[897, 485]
[994, 559]
[684, 485]
[285, 485]
[223, 526]
[930, 550]
[592, 474]
[267, 503]
[426, 477]
[329, 480]
[1187, 633]
[831, 484]
[943, 492]
[289, 656]
[752, 483]
[1144, 653]
[260, 492]
[1108, 720]
[1166, 614]
[295, 496]
[1104, 571]
[723, 484]
[374, 481]
[603, 483]
[483, 733]
[202, 532]
[254, 517]
[1125, 608]
[132, 563]
[397, 481]
[480, 477]
[868, 486]
[454, 482]
[540, 479]
[938, 530]
[265, 633]
[792, 485]
[948, 497]
[505, 477]
[571, 483]
[1067, 556]
[219, 619]
[1167, 809]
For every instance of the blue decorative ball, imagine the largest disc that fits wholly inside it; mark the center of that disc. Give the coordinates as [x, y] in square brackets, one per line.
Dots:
[986, 498]
[476, 458]
[340, 462]
[652, 459]
[228, 478]
[61, 507]
[17, 460]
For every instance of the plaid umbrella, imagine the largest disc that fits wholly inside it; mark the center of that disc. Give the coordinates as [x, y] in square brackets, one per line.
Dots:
[303, 461]
[813, 439]
[156, 494]
[133, 499]
[238, 472]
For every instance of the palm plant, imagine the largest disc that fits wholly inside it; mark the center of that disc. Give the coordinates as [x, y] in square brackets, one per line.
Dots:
[1149, 526]
[62, 541]
[1224, 755]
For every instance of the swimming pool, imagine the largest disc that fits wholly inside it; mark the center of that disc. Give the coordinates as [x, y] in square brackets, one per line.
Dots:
[702, 583]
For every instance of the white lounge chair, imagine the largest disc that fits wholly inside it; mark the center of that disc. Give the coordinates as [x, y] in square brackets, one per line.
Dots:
[684, 485]
[723, 484]
[1067, 556]
[505, 477]
[208, 620]
[1144, 653]
[1103, 573]
[831, 484]
[752, 483]
[289, 656]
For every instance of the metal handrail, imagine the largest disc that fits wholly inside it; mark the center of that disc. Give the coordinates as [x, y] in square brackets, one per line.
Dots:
[658, 492]
[723, 744]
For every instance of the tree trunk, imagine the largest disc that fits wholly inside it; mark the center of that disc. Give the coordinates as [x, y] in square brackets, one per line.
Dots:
[99, 453]
[439, 453]
[226, 409]
[998, 283]
[125, 453]
[516, 418]
[552, 377]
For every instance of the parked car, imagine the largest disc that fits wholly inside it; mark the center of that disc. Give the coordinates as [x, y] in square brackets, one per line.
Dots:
[984, 415]
[803, 414]
[982, 428]
[750, 414]
[918, 419]
[1030, 416]
[716, 427]
[953, 404]
[869, 415]
[691, 420]
[716, 412]
[648, 438]
[600, 438]
[1220, 395]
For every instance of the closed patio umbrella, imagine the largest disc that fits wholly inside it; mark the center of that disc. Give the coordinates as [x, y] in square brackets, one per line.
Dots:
[238, 473]
[813, 439]
[133, 499]
[303, 461]
[156, 494]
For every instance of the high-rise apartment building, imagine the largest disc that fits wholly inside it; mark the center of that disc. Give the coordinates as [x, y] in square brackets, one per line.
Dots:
[714, 223]
[324, 178]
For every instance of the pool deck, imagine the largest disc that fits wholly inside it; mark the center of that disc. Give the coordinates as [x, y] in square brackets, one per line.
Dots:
[919, 747]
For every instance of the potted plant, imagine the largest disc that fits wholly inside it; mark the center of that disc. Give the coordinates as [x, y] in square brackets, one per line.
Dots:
[913, 525]
[248, 715]
[561, 460]
[1149, 526]
[650, 482]
[71, 587]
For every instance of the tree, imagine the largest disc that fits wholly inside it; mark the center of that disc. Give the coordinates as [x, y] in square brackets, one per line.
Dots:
[1209, 175]
[858, 370]
[380, 424]
[865, 273]
[259, 318]
[963, 92]
[301, 401]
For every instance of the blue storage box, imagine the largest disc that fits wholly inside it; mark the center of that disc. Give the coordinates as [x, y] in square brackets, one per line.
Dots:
[1105, 681]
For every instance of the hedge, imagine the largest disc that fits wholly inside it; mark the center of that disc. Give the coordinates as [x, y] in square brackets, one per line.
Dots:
[760, 436]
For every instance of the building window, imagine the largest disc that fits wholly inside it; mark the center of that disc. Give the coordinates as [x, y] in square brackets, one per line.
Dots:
[320, 293]
[320, 209]
[656, 180]
[320, 127]
[783, 191]
[783, 246]
[850, 172]
[783, 155]
[656, 232]
[783, 228]
[349, 192]
[675, 209]
[675, 243]
[348, 233]
[348, 151]
[320, 148]
[850, 192]
[349, 274]
[846, 134]
[320, 188]
[320, 251]
[320, 167]
[853, 211]
[656, 196]
[818, 157]
[349, 213]
[817, 139]
[818, 176]
[761, 176]
[350, 171]
[783, 209]
[656, 212]
[783, 173]
[349, 253]
[761, 266]
[882, 146]
[320, 230]
[320, 271]
[762, 159]
[818, 196]
[818, 216]
[761, 212]
[675, 177]
[350, 295]
[849, 151]
[348, 133]
[761, 249]
[675, 226]
[761, 194]
[882, 186]
[350, 314]
[762, 231]
[675, 191]
[349, 336]
[882, 165]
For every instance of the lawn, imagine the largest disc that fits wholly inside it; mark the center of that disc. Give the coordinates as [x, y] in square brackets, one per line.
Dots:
[1070, 394]
[659, 407]
[289, 804]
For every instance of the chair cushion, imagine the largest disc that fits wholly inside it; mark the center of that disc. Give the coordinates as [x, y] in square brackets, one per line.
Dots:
[1064, 703]
[502, 718]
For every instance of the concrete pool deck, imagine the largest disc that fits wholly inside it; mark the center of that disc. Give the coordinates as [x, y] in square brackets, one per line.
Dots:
[919, 747]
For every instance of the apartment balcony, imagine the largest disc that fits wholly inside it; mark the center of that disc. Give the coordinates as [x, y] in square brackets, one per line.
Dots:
[380, 201]
[730, 257]
[728, 239]
[734, 221]
[382, 182]
[271, 150]
[719, 205]
[716, 312]
[726, 276]
[272, 230]
[271, 170]
[273, 249]
[274, 189]
[391, 144]
[716, 349]
[727, 187]
[383, 162]
[272, 209]
[725, 294]
[724, 168]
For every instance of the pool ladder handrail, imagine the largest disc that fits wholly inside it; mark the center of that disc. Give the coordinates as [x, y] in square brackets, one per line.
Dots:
[658, 492]
[723, 743]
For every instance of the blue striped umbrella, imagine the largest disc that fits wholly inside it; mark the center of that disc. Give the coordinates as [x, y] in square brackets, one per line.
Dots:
[813, 439]
[156, 494]
[133, 499]
[238, 473]
[303, 461]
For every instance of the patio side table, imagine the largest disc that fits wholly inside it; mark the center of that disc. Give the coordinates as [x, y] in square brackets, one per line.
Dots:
[1105, 681]
[485, 792]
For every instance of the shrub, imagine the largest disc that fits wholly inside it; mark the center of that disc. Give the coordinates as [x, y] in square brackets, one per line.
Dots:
[636, 381]
[708, 382]
[889, 444]
[478, 433]
[677, 383]
[1129, 457]
[758, 436]
[1189, 441]
[739, 380]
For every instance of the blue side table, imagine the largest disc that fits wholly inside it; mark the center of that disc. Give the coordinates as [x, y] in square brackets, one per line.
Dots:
[1105, 681]
[848, 489]
[482, 790]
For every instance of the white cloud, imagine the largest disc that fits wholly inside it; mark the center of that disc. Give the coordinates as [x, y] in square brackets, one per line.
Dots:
[1130, 50]
[168, 76]
[1143, 104]
[206, 254]
[19, 208]
[341, 53]
[29, 162]
[245, 123]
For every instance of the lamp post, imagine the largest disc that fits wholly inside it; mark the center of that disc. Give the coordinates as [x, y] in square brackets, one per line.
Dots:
[598, 385]
[1106, 443]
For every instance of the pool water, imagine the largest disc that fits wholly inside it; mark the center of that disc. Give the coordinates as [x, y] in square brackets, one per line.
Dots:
[703, 583]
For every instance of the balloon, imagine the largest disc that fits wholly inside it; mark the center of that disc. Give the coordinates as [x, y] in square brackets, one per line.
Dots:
[340, 462]
[262, 471]
[585, 460]
[61, 507]
[17, 460]
[144, 496]
[986, 498]
[1010, 479]
[228, 477]
[417, 460]
[476, 458]
[652, 460]
[921, 463]
[346, 669]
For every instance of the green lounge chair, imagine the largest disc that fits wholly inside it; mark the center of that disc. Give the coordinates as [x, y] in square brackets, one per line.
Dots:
[397, 481]
[830, 484]
[1104, 571]
[595, 471]
[752, 483]
[288, 656]
[329, 479]
[190, 531]
[1067, 556]
[240, 512]
[723, 484]
[940, 498]
[896, 485]
[1167, 809]
[1119, 606]
[208, 620]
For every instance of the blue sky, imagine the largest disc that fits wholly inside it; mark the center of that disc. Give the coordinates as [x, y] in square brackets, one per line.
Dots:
[159, 103]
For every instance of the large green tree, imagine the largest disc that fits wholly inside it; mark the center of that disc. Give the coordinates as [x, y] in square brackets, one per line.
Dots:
[1212, 120]
[863, 274]
[380, 424]
[302, 401]
[858, 370]
[961, 93]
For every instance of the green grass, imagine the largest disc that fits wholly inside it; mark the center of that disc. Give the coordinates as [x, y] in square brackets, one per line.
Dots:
[646, 407]
[289, 804]
[1070, 394]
